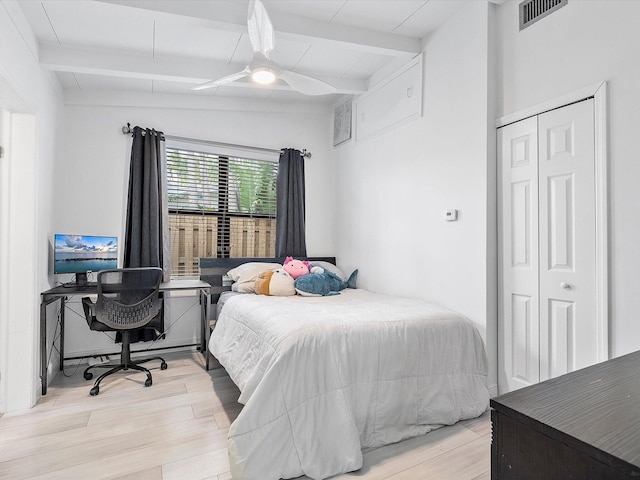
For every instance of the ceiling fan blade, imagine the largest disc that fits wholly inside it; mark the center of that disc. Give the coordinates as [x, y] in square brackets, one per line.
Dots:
[221, 81]
[305, 84]
[260, 28]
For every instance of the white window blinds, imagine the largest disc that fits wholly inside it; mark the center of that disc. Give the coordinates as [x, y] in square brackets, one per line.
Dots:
[219, 206]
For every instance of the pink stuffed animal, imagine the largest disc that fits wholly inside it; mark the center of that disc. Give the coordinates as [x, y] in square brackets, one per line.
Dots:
[296, 268]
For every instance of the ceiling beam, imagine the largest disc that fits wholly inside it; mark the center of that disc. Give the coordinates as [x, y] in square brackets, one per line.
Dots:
[172, 69]
[122, 98]
[232, 16]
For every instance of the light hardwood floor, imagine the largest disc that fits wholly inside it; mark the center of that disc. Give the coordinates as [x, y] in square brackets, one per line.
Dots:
[177, 429]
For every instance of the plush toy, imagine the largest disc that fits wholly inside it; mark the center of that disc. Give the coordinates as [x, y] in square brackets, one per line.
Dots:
[296, 268]
[276, 283]
[323, 284]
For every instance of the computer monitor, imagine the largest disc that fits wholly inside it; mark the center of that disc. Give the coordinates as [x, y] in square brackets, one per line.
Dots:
[80, 254]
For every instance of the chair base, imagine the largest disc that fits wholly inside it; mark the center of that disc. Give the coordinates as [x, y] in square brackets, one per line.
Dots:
[122, 366]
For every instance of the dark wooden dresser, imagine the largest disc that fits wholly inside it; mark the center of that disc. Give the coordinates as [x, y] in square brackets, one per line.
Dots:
[583, 425]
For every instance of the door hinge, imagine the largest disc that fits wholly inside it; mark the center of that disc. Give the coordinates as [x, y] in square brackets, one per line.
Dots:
[1, 152]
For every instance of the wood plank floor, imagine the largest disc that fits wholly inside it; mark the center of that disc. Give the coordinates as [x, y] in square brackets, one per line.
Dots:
[177, 429]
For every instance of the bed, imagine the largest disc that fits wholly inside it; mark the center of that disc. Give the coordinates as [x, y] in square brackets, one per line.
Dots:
[322, 378]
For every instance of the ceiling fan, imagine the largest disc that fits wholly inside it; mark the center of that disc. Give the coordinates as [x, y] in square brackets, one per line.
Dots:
[261, 69]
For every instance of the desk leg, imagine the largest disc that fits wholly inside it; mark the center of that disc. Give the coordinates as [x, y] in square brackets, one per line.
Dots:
[43, 346]
[62, 309]
[205, 300]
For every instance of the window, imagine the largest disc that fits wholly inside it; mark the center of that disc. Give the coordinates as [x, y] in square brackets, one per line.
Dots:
[219, 206]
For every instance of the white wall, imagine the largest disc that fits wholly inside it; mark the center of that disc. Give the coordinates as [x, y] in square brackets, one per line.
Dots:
[581, 44]
[31, 99]
[395, 188]
[91, 175]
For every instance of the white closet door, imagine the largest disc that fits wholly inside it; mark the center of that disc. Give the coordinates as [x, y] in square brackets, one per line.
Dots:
[547, 244]
[518, 223]
[568, 330]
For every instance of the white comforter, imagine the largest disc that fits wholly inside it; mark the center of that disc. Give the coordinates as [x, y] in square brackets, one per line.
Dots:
[323, 377]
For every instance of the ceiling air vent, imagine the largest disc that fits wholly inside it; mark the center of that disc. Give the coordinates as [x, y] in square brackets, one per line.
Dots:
[533, 10]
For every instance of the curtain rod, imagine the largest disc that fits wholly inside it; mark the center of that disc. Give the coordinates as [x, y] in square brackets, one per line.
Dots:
[128, 130]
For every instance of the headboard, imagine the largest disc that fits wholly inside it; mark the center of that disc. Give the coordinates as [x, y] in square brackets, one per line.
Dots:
[213, 269]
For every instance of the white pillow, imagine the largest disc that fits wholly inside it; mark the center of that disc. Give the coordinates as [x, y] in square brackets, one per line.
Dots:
[244, 287]
[250, 270]
[244, 276]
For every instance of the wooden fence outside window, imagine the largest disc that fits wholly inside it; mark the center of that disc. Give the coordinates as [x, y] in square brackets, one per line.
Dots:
[196, 236]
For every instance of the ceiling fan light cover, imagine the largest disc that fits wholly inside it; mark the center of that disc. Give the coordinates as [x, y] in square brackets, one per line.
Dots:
[263, 76]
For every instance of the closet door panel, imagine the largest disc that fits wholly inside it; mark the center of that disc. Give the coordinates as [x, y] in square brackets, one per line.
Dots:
[518, 224]
[561, 216]
[567, 233]
[561, 337]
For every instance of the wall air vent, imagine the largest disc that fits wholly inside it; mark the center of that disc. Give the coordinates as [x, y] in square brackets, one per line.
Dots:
[533, 10]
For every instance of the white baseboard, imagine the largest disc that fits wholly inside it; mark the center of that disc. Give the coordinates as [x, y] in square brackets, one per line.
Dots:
[97, 360]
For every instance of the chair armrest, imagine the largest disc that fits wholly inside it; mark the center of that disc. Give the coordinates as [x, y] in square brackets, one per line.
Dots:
[87, 306]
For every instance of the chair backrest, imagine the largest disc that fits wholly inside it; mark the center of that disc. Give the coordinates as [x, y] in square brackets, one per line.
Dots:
[128, 298]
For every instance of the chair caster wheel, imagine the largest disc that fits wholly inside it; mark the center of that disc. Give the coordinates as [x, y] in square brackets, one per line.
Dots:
[94, 391]
[163, 366]
[88, 375]
[148, 382]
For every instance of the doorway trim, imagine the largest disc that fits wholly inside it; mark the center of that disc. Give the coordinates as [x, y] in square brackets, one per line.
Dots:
[598, 92]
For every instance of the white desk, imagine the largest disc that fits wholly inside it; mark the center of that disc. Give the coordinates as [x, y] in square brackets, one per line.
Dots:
[61, 293]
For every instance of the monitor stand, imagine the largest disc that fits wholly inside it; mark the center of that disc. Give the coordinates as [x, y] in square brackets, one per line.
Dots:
[81, 279]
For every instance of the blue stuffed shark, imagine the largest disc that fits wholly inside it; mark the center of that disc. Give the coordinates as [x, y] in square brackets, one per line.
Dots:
[323, 284]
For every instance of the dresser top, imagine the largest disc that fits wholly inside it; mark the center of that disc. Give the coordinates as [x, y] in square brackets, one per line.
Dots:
[596, 409]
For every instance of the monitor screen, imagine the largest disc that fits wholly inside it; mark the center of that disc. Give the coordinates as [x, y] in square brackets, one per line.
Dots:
[83, 253]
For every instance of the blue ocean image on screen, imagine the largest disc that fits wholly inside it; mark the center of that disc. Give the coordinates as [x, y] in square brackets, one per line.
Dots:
[78, 253]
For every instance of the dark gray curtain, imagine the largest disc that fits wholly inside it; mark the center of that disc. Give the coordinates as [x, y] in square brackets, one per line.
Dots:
[290, 215]
[145, 236]
[145, 224]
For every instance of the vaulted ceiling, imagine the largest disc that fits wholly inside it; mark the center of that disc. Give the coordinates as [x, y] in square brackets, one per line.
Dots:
[169, 46]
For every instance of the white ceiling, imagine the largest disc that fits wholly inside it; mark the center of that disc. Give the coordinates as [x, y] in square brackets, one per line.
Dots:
[168, 46]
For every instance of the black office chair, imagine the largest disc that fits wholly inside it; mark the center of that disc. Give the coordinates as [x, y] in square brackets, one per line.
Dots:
[128, 299]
